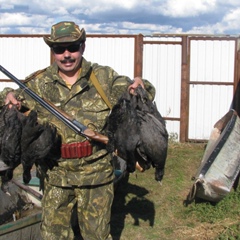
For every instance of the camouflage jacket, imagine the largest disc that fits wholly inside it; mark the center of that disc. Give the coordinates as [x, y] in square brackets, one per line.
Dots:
[83, 102]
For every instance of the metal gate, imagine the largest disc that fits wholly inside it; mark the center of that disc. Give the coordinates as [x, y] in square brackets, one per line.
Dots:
[194, 75]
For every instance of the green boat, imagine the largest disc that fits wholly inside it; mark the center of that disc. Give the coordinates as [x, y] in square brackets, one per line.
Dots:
[27, 227]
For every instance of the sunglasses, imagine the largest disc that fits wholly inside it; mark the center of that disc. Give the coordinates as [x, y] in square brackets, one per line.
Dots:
[70, 48]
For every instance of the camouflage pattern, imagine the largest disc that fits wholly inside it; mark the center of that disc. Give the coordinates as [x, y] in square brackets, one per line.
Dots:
[89, 178]
[84, 103]
[65, 32]
[94, 218]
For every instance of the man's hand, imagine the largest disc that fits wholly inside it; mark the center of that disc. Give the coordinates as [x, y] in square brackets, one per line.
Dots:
[137, 81]
[11, 100]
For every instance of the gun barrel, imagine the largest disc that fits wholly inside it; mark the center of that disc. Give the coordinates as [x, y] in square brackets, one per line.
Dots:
[76, 128]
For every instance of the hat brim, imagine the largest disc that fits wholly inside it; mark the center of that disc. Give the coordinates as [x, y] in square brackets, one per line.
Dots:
[51, 42]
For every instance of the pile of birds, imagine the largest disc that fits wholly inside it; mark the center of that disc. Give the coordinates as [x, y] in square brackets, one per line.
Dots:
[24, 141]
[137, 133]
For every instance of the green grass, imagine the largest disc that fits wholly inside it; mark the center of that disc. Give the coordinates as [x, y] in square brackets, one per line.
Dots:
[143, 209]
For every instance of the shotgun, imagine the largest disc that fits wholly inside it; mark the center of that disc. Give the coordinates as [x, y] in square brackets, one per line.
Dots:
[72, 123]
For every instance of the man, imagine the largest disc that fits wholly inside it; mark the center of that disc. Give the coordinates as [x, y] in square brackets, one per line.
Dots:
[88, 179]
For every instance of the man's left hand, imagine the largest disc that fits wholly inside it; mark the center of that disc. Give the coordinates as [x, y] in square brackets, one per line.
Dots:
[137, 81]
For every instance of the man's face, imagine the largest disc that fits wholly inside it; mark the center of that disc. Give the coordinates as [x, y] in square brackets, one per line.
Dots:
[68, 56]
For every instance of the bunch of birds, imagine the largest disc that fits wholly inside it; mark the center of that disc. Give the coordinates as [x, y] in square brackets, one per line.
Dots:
[137, 133]
[24, 141]
[135, 128]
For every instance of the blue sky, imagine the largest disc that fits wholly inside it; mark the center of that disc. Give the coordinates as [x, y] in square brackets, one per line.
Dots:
[122, 16]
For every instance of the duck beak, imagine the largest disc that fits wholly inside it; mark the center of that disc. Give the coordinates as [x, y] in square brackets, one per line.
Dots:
[139, 168]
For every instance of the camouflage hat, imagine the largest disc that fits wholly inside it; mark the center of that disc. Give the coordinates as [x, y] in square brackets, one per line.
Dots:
[65, 32]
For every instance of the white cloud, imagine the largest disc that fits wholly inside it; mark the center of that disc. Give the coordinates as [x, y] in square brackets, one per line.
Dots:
[14, 19]
[154, 28]
[233, 16]
[126, 16]
[231, 21]
[186, 8]
[6, 6]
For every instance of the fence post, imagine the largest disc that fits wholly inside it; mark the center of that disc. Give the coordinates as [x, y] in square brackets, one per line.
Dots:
[237, 65]
[138, 55]
[184, 113]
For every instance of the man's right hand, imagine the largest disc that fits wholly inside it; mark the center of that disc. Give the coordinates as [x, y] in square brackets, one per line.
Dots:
[11, 100]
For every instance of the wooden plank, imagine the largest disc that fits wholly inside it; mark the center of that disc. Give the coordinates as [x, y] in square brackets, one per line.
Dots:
[20, 224]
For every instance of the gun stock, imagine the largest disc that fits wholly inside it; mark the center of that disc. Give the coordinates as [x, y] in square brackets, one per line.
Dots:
[72, 123]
